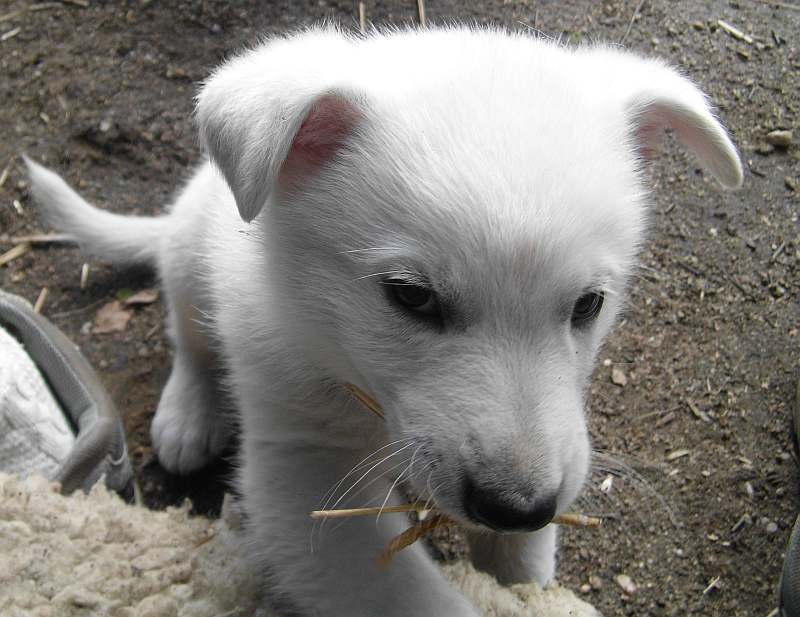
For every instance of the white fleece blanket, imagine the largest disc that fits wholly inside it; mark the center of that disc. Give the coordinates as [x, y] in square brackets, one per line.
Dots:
[94, 555]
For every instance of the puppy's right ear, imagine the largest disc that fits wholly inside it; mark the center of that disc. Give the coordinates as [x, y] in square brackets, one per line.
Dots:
[259, 132]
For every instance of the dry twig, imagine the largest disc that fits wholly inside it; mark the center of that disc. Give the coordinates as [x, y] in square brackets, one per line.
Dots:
[12, 254]
[10, 34]
[84, 276]
[362, 17]
[735, 32]
[423, 20]
[44, 6]
[411, 535]
[44, 239]
[37, 307]
[573, 520]
[633, 19]
[365, 399]
[9, 16]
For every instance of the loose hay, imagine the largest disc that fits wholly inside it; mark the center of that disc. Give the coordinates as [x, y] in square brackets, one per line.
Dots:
[95, 555]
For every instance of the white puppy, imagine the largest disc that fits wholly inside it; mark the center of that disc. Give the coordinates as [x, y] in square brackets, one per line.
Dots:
[447, 219]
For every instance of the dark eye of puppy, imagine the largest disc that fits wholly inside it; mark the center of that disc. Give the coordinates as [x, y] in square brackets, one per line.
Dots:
[414, 298]
[586, 308]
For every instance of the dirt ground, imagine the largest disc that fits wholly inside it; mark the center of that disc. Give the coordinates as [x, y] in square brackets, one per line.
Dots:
[708, 350]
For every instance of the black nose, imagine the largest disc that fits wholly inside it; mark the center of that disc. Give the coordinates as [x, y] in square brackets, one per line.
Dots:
[504, 510]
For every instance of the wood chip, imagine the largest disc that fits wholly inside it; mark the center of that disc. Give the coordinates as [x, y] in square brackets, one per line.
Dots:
[37, 307]
[665, 419]
[45, 6]
[145, 296]
[44, 239]
[14, 253]
[10, 16]
[362, 17]
[111, 317]
[673, 456]
[735, 32]
[697, 412]
[423, 20]
[84, 276]
[10, 34]
[711, 586]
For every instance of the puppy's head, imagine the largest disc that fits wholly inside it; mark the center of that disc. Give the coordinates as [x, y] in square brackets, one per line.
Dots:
[452, 218]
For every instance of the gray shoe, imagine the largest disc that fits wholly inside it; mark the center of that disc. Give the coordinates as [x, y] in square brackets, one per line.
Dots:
[96, 446]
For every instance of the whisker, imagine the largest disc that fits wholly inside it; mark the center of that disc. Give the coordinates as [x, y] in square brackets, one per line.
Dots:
[606, 463]
[366, 461]
[360, 465]
[364, 487]
[394, 484]
[366, 473]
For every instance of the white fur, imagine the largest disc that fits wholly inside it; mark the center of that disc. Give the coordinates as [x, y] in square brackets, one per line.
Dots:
[505, 169]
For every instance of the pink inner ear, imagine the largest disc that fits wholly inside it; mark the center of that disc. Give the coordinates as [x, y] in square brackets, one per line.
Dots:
[325, 129]
[649, 132]
[688, 129]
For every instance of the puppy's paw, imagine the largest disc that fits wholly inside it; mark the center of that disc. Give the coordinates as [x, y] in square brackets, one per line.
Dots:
[188, 431]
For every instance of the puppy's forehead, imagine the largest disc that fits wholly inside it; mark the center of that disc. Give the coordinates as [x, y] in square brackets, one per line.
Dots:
[507, 141]
[497, 185]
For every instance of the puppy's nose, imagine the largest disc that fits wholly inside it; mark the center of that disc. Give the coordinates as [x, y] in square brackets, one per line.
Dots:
[504, 510]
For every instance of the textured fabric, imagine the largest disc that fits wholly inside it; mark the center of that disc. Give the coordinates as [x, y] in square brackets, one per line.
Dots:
[93, 555]
[34, 434]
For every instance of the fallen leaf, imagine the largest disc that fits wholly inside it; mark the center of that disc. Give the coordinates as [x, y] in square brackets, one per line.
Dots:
[145, 296]
[618, 377]
[111, 317]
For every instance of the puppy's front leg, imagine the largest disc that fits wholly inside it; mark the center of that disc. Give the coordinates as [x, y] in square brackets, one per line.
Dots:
[515, 557]
[333, 570]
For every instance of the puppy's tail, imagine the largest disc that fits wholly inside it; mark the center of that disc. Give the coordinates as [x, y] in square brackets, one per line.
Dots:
[123, 240]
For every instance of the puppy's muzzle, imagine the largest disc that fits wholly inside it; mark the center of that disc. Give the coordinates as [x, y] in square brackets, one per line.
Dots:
[508, 510]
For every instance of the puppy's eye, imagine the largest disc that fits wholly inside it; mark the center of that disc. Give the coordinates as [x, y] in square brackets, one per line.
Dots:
[412, 297]
[587, 308]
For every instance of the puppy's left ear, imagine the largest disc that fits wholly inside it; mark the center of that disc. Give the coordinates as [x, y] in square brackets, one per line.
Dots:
[260, 133]
[676, 103]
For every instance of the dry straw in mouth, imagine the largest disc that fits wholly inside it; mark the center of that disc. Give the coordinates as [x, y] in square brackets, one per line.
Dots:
[429, 523]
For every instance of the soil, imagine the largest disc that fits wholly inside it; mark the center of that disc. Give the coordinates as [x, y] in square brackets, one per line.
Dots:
[705, 360]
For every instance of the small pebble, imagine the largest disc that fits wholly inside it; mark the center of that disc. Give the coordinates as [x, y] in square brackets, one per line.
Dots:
[618, 377]
[771, 527]
[585, 588]
[596, 582]
[626, 583]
